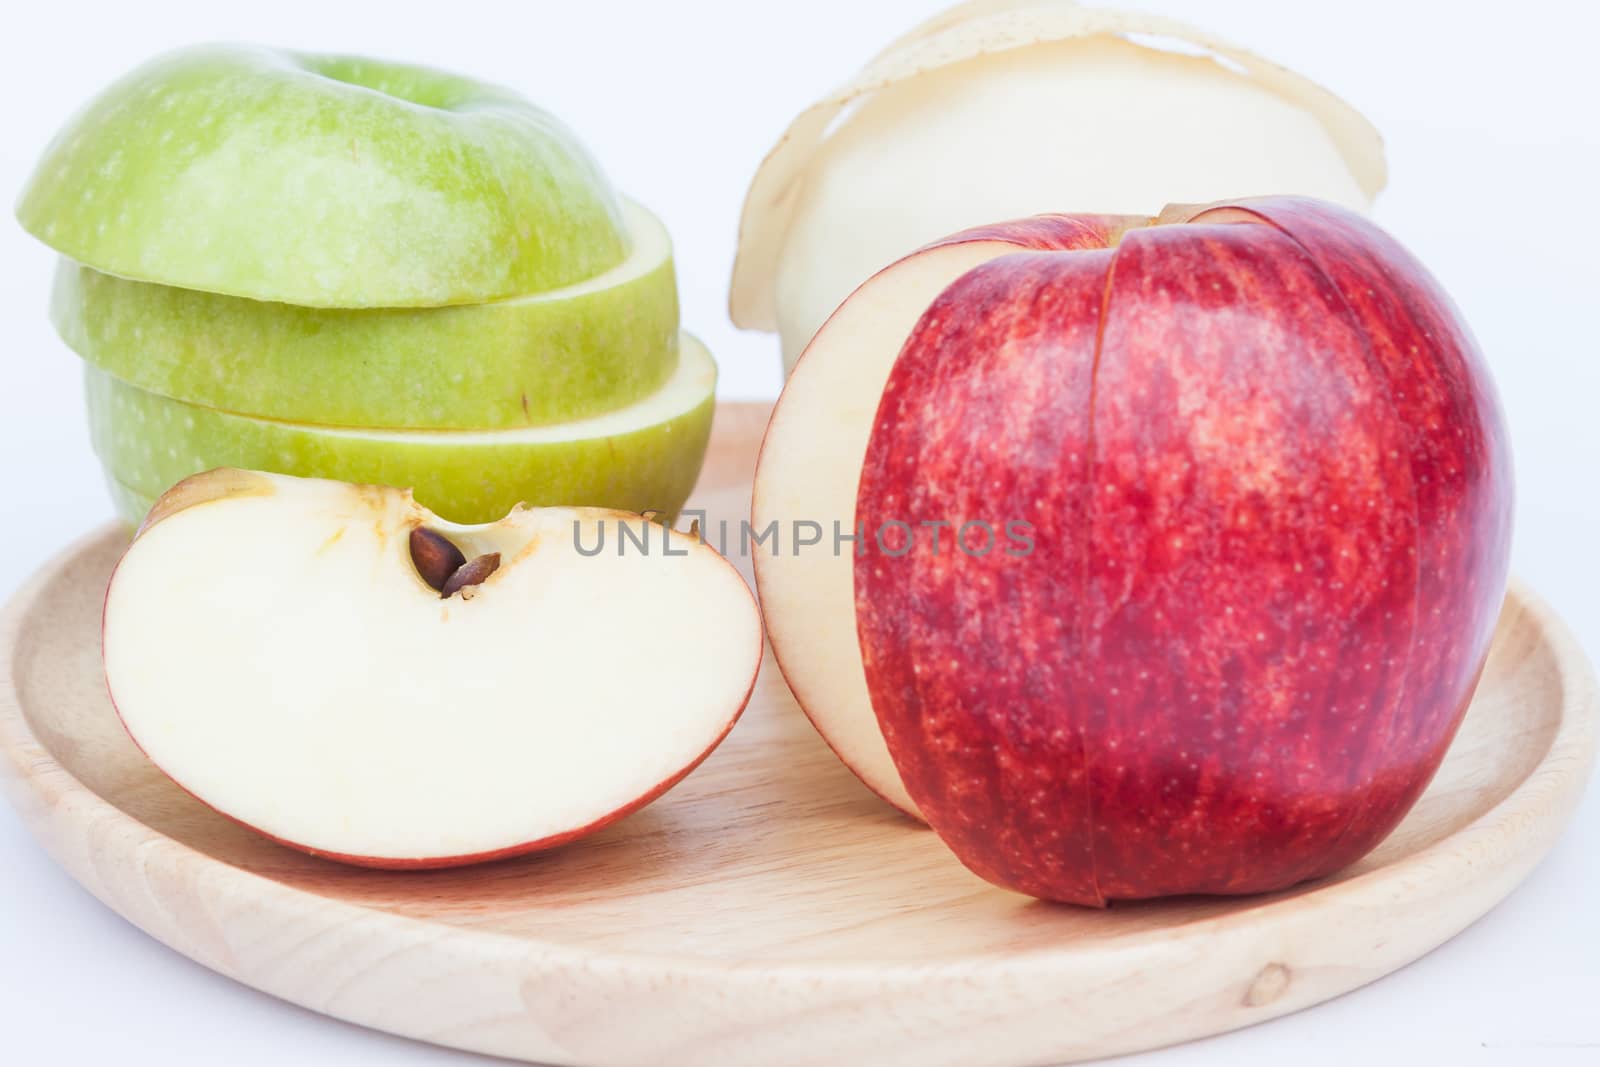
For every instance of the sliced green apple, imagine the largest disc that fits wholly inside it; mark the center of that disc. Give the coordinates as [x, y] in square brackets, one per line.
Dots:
[131, 505]
[642, 457]
[568, 353]
[278, 647]
[327, 181]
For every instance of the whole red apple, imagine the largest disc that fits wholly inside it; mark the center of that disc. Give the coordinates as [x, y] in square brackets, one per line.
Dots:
[1184, 554]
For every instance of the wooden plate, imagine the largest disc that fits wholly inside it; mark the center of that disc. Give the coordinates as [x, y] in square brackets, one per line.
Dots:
[769, 910]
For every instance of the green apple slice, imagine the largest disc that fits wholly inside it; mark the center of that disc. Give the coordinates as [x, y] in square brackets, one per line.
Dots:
[328, 181]
[642, 457]
[565, 354]
[130, 504]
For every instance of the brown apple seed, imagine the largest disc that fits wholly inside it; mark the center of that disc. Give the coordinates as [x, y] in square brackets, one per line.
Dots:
[470, 574]
[435, 556]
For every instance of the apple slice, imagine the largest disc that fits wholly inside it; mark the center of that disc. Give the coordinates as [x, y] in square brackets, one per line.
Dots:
[642, 457]
[567, 353]
[278, 646]
[322, 180]
[811, 460]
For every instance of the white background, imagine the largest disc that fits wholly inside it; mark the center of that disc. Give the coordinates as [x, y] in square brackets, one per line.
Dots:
[1495, 160]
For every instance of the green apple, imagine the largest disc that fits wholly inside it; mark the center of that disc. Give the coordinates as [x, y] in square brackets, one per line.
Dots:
[642, 457]
[565, 354]
[131, 505]
[326, 181]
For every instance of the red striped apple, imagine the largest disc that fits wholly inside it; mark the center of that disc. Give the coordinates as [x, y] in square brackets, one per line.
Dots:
[1225, 510]
[337, 668]
[812, 452]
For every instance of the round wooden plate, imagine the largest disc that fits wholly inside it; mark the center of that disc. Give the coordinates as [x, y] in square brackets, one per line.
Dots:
[769, 910]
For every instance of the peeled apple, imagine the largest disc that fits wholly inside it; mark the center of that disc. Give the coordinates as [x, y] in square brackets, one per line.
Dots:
[998, 110]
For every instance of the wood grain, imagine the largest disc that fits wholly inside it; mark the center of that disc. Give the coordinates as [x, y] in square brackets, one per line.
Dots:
[769, 910]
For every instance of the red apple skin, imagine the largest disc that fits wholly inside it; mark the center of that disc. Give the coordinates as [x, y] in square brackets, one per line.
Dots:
[1270, 495]
[991, 427]
[1054, 233]
[1049, 233]
[1457, 443]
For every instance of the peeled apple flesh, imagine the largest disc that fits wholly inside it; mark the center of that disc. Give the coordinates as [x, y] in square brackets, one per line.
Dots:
[1006, 111]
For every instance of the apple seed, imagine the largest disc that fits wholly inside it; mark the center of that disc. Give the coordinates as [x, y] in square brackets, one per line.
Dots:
[470, 574]
[435, 556]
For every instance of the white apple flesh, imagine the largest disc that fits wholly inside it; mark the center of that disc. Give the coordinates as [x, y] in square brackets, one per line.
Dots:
[271, 645]
[942, 130]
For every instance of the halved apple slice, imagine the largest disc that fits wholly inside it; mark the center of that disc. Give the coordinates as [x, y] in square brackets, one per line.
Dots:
[811, 462]
[280, 648]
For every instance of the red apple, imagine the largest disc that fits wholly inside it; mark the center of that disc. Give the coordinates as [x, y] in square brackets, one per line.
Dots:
[1248, 500]
[811, 457]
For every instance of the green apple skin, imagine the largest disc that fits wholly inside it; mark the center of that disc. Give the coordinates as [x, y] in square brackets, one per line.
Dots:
[326, 181]
[646, 457]
[597, 346]
[130, 504]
